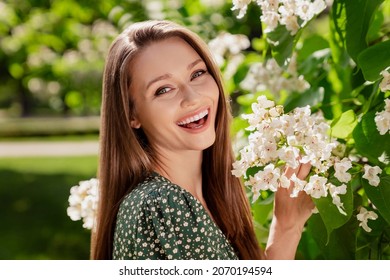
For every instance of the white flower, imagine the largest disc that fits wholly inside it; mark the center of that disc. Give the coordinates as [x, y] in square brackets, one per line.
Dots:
[299, 185]
[239, 168]
[304, 10]
[316, 187]
[291, 13]
[382, 119]
[270, 76]
[267, 179]
[291, 23]
[371, 174]
[290, 156]
[268, 5]
[269, 151]
[270, 19]
[363, 217]
[318, 6]
[385, 83]
[341, 169]
[228, 45]
[241, 5]
[387, 106]
[83, 202]
[307, 10]
[284, 181]
[335, 191]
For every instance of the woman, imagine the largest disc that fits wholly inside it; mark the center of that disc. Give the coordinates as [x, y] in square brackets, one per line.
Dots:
[167, 191]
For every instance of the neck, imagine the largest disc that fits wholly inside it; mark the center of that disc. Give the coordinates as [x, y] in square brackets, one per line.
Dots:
[183, 169]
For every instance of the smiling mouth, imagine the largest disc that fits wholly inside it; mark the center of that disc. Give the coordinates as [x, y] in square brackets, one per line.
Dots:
[196, 121]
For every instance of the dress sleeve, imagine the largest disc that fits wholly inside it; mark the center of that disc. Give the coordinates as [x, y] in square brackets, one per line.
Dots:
[165, 225]
[158, 228]
[168, 228]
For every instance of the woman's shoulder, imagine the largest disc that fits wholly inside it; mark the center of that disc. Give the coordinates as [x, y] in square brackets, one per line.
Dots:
[155, 189]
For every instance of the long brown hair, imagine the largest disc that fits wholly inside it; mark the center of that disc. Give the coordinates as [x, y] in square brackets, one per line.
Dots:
[126, 159]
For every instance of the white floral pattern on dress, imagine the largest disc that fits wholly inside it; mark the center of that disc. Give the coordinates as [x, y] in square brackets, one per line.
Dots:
[161, 220]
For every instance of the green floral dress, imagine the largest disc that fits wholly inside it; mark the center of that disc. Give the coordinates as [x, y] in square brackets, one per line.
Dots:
[160, 220]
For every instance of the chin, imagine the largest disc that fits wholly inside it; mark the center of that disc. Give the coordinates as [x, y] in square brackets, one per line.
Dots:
[208, 144]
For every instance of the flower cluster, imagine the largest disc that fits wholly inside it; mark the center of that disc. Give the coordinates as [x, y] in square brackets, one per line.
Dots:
[241, 5]
[83, 202]
[279, 140]
[228, 47]
[270, 76]
[293, 14]
[382, 119]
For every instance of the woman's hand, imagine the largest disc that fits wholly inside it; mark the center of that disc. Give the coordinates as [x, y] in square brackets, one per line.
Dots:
[293, 212]
[289, 217]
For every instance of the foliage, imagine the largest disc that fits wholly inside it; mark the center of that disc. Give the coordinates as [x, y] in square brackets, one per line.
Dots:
[52, 51]
[52, 56]
[342, 54]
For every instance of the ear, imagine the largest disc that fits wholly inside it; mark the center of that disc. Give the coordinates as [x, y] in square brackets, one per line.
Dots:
[135, 123]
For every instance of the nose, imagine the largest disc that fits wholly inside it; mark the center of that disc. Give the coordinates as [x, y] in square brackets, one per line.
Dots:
[190, 96]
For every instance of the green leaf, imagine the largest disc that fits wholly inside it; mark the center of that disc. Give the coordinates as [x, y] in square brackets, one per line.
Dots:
[359, 16]
[246, 100]
[368, 141]
[337, 33]
[375, 59]
[329, 213]
[312, 65]
[310, 45]
[341, 244]
[380, 195]
[344, 125]
[281, 43]
[374, 32]
[312, 97]
[262, 210]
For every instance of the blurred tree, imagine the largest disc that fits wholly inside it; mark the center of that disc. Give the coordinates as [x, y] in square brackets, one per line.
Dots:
[51, 54]
[52, 51]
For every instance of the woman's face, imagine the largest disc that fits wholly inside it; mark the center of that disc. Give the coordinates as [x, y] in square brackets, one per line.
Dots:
[175, 96]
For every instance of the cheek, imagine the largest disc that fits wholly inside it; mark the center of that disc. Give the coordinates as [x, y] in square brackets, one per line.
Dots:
[157, 115]
[212, 89]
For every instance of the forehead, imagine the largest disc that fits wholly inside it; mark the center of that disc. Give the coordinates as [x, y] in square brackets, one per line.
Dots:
[162, 57]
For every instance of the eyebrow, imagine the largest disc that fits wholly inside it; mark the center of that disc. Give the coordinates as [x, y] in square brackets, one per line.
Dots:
[166, 76]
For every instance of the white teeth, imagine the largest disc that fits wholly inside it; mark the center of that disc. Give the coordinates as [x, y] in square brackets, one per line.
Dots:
[194, 118]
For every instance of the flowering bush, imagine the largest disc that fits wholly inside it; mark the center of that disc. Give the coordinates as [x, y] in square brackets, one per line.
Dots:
[333, 57]
[319, 93]
[278, 140]
[83, 202]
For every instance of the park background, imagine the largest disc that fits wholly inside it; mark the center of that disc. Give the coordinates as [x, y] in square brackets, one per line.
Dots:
[51, 61]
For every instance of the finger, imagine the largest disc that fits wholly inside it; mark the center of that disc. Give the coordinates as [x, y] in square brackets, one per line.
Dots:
[290, 171]
[306, 201]
[303, 170]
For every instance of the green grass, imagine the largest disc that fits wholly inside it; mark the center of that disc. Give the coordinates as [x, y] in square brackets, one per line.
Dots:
[33, 200]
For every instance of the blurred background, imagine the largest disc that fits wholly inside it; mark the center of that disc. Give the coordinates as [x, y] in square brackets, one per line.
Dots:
[52, 56]
[51, 61]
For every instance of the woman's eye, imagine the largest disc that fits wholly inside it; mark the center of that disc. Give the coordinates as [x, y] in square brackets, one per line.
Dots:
[198, 73]
[161, 91]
